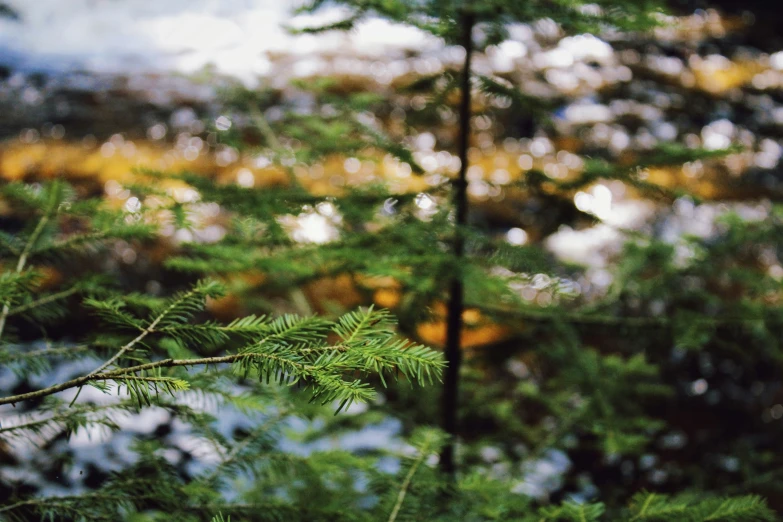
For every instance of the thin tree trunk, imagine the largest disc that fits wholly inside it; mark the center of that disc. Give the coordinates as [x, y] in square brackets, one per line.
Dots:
[456, 298]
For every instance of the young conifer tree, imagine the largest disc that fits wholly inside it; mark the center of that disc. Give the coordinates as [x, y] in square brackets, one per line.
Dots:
[456, 22]
[402, 246]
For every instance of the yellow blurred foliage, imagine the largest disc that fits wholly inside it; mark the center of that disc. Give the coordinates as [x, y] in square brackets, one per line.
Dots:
[718, 75]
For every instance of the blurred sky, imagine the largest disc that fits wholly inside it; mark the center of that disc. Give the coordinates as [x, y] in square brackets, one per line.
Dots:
[181, 35]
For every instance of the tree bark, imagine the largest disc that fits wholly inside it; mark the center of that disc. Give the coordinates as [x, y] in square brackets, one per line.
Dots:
[453, 351]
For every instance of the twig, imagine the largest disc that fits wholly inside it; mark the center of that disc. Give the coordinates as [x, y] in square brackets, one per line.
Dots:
[28, 425]
[49, 501]
[20, 264]
[124, 373]
[609, 320]
[42, 301]
[232, 455]
[144, 333]
[45, 352]
[269, 135]
[406, 484]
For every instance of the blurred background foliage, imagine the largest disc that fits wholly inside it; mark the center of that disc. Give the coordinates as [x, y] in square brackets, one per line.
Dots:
[624, 273]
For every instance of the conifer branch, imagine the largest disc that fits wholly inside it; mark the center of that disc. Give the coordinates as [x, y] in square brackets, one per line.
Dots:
[237, 449]
[426, 441]
[7, 242]
[44, 352]
[22, 261]
[608, 320]
[404, 487]
[269, 135]
[74, 240]
[31, 425]
[69, 419]
[406, 484]
[44, 301]
[125, 373]
[68, 502]
[144, 333]
[316, 370]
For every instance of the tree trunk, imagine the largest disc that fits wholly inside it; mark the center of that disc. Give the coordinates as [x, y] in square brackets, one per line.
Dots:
[455, 305]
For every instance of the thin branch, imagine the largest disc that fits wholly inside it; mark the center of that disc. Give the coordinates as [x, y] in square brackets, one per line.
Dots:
[237, 449]
[74, 239]
[269, 135]
[60, 417]
[30, 424]
[45, 352]
[122, 351]
[20, 264]
[405, 485]
[124, 373]
[608, 320]
[144, 333]
[43, 301]
[64, 500]
[7, 243]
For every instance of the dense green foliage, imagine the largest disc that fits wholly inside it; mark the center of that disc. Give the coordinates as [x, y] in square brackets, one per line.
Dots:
[147, 344]
[141, 346]
[618, 383]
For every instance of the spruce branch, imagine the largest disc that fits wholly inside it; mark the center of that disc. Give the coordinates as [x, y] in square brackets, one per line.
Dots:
[117, 493]
[587, 318]
[53, 418]
[235, 452]
[652, 506]
[8, 242]
[127, 374]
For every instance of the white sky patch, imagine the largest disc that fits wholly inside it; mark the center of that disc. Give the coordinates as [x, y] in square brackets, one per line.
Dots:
[314, 226]
[585, 47]
[595, 245]
[504, 56]
[581, 113]
[598, 201]
[516, 236]
[89, 436]
[245, 178]
[776, 61]
[234, 36]
[590, 247]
